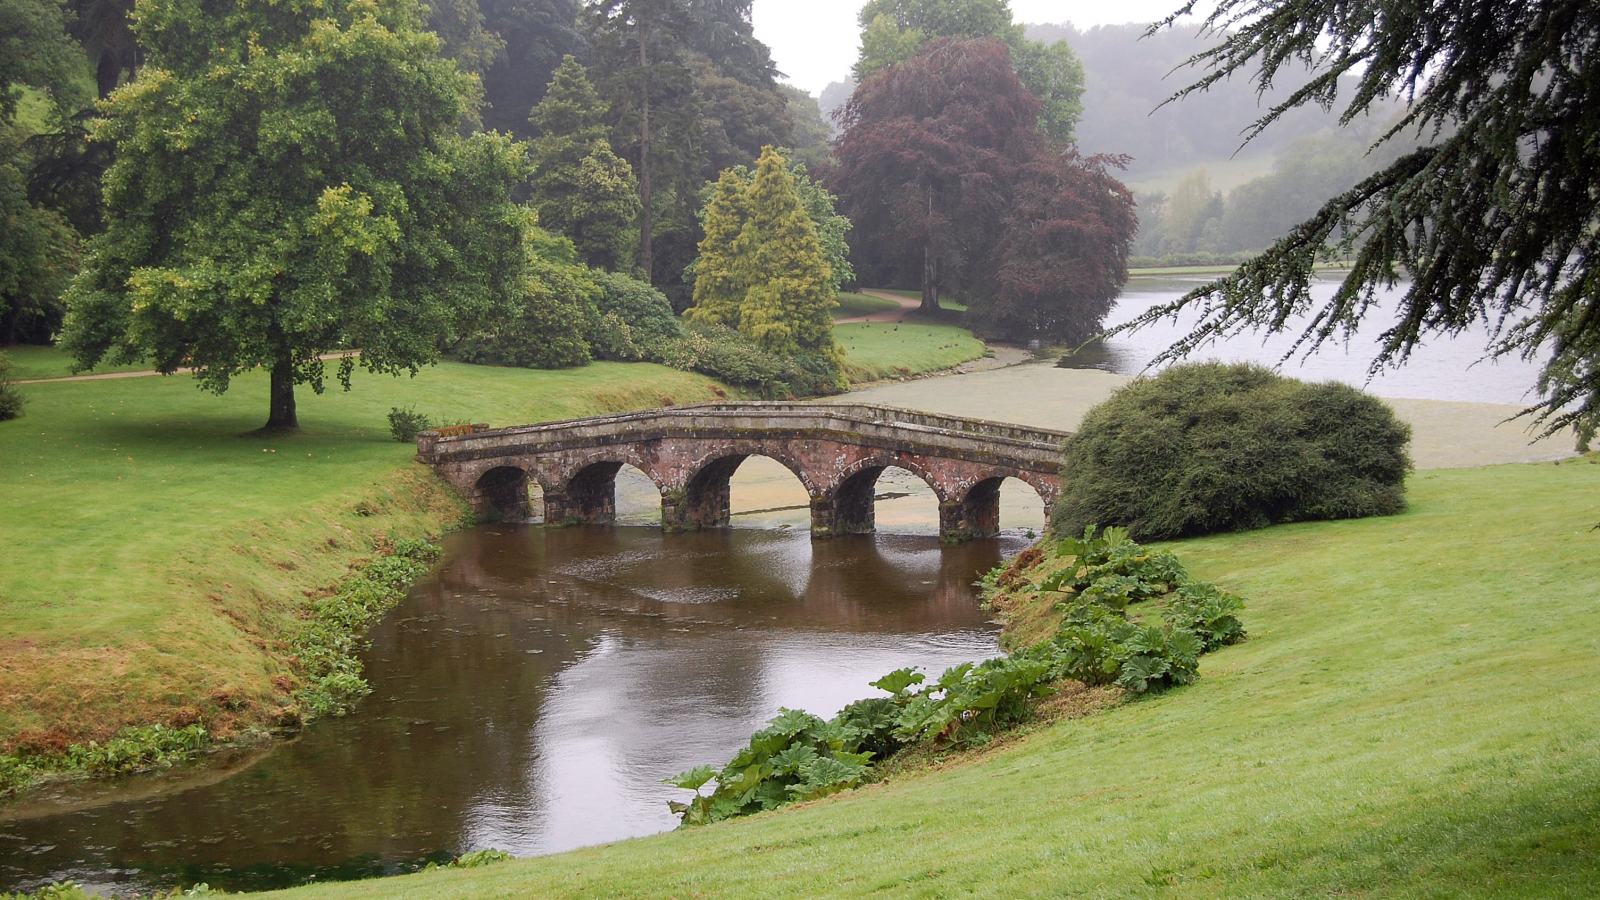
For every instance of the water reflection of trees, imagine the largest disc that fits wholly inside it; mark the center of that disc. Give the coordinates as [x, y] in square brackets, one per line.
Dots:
[533, 666]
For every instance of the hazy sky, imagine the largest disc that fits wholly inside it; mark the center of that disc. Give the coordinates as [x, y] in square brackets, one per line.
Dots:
[815, 41]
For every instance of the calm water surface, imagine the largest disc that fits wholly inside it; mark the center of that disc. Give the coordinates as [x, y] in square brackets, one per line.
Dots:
[532, 693]
[1443, 368]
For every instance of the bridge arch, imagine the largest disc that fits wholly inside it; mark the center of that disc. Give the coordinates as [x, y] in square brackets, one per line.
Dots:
[584, 491]
[705, 499]
[502, 491]
[850, 504]
[975, 512]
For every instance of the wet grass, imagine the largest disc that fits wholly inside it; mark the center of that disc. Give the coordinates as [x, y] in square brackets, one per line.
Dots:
[154, 557]
[1413, 716]
[944, 302]
[879, 350]
[851, 305]
[48, 362]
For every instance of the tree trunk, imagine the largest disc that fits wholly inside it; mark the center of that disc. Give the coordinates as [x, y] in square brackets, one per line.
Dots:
[646, 213]
[282, 416]
[930, 281]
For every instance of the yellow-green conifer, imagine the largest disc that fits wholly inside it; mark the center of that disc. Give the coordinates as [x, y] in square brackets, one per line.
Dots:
[718, 293]
[780, 257]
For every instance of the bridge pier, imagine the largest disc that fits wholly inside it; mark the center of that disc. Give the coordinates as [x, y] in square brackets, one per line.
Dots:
[590, 498]
[707, 500]
[851, 509]
[977, 515]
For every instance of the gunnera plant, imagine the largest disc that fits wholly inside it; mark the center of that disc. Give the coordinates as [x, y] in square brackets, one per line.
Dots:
[11, 400]
[1210, 447]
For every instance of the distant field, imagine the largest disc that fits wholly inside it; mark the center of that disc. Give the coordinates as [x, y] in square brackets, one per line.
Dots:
[1224, 174]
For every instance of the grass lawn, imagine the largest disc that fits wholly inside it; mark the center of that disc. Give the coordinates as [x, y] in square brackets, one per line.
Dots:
[878, 350]
[48, 362]
[1414, 715]
[154, 558]
[851, 305]
[944, 302]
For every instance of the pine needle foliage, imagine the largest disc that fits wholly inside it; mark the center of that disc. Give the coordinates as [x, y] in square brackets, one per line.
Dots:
[762, 266]
[1208, 447]
[582, 189]
[1492, 221]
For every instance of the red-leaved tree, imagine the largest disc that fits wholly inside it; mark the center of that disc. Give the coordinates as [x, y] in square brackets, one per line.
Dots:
[1063, 251]
[950, 185]
[931, 152]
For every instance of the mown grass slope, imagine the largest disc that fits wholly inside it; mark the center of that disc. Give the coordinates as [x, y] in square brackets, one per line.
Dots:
[154, 558]
[878, 350]
[1415, 715]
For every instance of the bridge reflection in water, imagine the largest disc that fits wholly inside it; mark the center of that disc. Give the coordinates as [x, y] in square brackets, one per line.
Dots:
[690, 454]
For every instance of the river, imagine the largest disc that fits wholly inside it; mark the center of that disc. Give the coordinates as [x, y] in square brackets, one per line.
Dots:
[531, 693]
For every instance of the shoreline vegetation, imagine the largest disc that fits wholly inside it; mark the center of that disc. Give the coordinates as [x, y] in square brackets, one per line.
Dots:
[1395, 737]
[1363, 691]
[163, 562]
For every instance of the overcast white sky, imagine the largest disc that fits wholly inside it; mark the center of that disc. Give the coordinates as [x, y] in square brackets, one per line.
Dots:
[814, 41]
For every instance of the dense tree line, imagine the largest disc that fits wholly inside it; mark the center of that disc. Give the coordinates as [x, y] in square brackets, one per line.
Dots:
[1196, 218]
[474, 176]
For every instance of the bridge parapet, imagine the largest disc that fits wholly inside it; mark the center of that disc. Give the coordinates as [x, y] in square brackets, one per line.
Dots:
[836, 450]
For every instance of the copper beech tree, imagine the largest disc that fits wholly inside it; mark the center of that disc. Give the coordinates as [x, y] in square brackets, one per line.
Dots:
[951, 185]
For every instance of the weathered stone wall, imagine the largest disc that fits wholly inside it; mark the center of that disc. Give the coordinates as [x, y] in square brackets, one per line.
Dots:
[837, 452]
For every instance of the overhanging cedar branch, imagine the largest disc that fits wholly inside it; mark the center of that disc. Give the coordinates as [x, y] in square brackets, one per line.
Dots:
[1494, 220]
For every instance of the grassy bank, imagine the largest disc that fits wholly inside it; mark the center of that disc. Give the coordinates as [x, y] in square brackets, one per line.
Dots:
[156, 561]
[48, 362]
[1413, 716]
[878, 350]
[851, 305]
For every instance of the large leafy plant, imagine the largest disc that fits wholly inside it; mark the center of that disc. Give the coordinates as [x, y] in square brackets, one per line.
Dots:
[799, 756]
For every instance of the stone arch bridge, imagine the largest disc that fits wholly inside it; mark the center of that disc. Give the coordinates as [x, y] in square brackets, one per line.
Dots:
[837, 451]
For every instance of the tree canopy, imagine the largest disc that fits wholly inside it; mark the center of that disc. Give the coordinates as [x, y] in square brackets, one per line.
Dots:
[289, 182]
[38, 248]
[762, 267]
[1492, 220]
[951, 185]
[580, 187]
[894, 31]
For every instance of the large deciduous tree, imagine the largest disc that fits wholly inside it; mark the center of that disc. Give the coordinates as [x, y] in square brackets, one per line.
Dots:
[289, 182]
[893, 31]
[1063, 254]
[931, 149]
[1492, 221]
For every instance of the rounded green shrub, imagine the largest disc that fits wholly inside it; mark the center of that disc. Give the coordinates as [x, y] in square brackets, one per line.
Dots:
[635, 321]
[11, 400]
[1208, 447]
